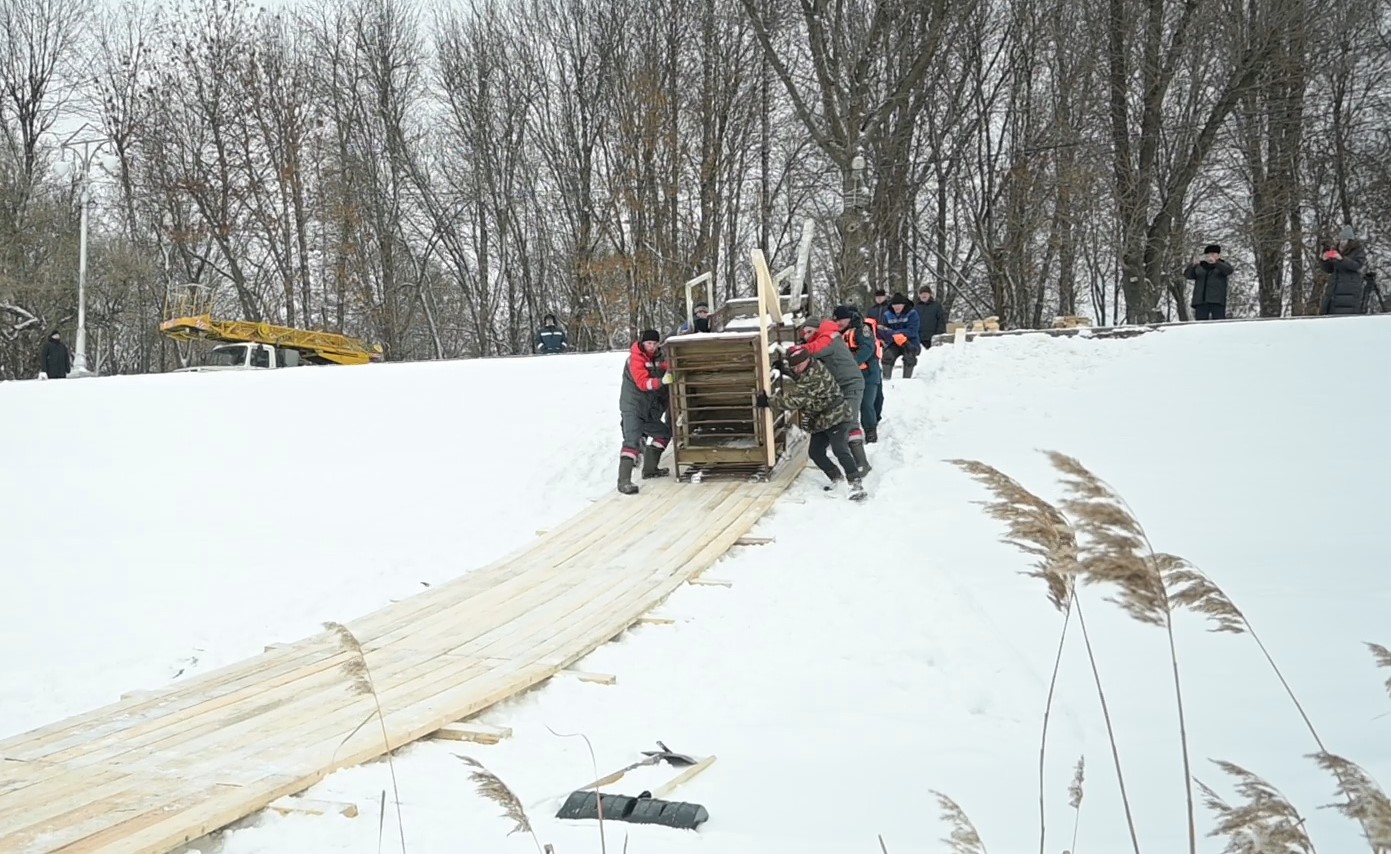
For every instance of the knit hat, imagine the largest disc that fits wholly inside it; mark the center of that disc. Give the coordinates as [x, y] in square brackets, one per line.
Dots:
[1212, 247]
[798, 354]
[700, 306]
[650, 335]
[900, 299]
[843, 312]
[881, 293]
[1347, 233]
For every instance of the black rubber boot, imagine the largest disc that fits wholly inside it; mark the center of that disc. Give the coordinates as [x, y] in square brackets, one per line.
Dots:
[625, 476]
[651, 455]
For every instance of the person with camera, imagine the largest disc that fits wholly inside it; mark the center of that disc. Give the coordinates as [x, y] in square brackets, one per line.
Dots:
[1209, 273]
[1345, 263]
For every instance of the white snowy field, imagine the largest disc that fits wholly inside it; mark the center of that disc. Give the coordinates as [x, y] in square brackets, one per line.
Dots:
[869, 655]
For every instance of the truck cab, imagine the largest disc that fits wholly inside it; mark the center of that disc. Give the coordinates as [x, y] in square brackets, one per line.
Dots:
[248, 356]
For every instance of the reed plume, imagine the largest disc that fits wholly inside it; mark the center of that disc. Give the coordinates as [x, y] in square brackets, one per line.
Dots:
[1365, 801]
[1265, 822]
[964, 839]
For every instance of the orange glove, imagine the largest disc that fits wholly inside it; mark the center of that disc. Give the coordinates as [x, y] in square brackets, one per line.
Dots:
[1331, 254]
[900, 339]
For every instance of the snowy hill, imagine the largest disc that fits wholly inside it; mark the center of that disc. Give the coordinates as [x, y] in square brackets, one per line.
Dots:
[161, 526]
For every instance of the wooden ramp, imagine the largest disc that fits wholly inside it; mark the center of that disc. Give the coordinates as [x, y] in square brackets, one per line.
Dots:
[150, 773]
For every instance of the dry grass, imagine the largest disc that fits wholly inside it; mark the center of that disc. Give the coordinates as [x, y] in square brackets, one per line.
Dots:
[1364, 799]
[1383, 659]
[1093, 538]
[1074, 798]
[360, 682]
[491, 786]
[964, 839]
[1037, 528]
[1265, 822]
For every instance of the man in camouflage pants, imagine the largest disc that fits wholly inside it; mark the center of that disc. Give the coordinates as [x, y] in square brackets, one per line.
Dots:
[810, 388]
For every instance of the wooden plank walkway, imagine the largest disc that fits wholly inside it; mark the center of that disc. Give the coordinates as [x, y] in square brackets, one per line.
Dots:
[151, 773]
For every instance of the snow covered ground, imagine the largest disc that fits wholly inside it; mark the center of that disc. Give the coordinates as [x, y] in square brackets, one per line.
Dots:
[869, 655]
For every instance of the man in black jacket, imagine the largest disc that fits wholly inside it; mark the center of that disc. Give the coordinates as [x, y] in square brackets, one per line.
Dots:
[932, 320]
[1346, 262]
[1209, 274]
[55, 358]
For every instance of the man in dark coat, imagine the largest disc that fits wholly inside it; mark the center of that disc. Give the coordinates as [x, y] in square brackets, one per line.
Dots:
[932, 318]
[550, 338]
[1346, 263]
[877, 308]
[54, 358]
[642, 406]
[1209, 274]
[810, 388]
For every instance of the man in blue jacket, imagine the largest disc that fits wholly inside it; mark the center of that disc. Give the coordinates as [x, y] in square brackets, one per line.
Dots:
[899, 330]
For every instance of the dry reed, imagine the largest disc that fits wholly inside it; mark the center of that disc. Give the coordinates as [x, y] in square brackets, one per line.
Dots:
[1382, 655]
[492, 787]
[1037, 528]
[964, 839]
[361, 683]
[1365, 800]
[1265, 822]
[1074, 798]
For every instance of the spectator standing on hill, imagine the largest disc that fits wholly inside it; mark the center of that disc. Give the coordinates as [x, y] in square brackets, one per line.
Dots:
[1209, 273]
[1347, 263]
[55, 360]
[932, 318]
[550, 338]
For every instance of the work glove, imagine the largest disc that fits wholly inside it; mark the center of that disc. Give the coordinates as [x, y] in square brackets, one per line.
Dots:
[668, 378]
[1332, 255]
[762, 400]
[900, 339]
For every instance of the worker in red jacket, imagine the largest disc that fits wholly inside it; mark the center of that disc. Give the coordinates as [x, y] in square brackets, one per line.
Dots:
[642, 407]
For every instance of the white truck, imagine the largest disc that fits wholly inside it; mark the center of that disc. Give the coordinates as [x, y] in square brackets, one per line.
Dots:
[248, 356]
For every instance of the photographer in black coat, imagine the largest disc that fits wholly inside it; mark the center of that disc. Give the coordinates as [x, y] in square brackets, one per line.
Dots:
[1346, 262]
[1209, 274]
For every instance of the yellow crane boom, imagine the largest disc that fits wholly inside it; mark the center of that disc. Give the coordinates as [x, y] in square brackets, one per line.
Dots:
[329, 346]
[188, 316]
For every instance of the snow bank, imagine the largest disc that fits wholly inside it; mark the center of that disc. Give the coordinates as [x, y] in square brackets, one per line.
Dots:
[158, 526]
[875, 653]
[869, 655]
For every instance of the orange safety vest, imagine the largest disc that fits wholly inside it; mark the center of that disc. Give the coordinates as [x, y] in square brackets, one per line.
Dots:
[849, 336]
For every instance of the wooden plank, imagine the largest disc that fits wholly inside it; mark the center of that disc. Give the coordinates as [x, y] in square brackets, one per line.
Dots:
[650, 620]
[701, 581]
[754, 541]
[595, 678]
[684, 777]
[305, 806]
[765, 364]
[148, 775]
[476, 733]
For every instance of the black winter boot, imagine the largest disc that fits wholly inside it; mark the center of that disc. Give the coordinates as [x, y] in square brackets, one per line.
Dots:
[625, 476]
[651, 455]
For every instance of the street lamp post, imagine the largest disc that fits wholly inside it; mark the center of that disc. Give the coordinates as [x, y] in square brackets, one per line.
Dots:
[85, 148]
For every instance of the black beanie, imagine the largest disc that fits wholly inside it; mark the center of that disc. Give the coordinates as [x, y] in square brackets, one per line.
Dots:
[1212, 247]
[880, 293]
[900, 299]
[649, 335]
[843, 312]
